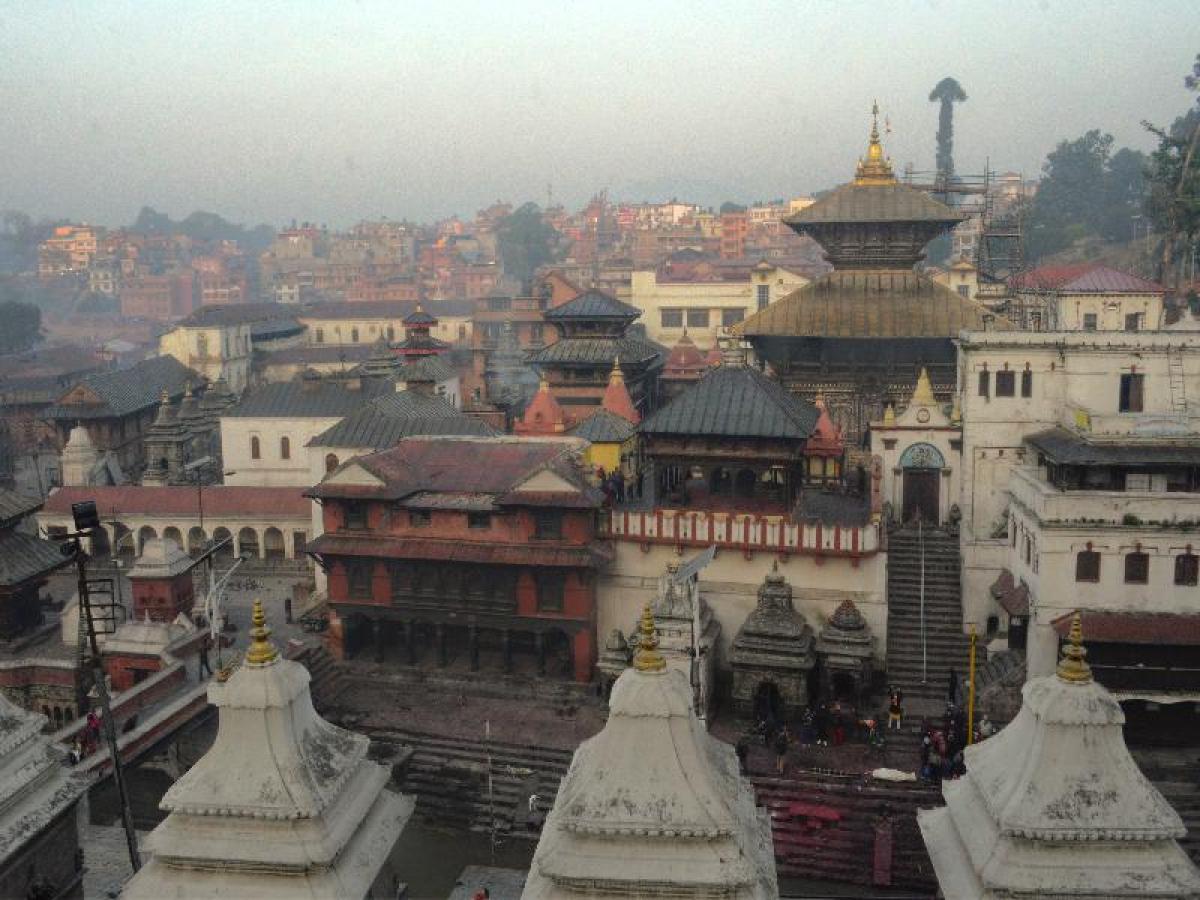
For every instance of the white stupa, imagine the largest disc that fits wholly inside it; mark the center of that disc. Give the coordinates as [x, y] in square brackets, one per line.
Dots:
[1054, 807]
[284, 805]
[653, 806]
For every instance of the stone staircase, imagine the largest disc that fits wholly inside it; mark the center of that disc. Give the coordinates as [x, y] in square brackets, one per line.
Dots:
[328, 678]
[945, 642]
[842, 846]
[449, 778]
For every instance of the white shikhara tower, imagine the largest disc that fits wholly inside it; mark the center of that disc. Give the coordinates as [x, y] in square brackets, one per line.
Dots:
[284, 805]
[653, 806]
[1055, 808]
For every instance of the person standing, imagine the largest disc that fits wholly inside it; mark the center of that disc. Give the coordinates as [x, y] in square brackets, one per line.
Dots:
[781, 749]
[895, 709]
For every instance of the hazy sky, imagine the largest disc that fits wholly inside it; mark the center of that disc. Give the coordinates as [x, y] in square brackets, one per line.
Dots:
[335, 111]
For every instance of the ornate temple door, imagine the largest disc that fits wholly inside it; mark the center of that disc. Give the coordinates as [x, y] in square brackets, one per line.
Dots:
[921, 495]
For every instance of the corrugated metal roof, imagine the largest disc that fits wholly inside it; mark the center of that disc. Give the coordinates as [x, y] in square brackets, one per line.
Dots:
[16, 506]
[874, 203]
[598, 351]
[333, 544]
[319, 353]
[1084, 278]
[593, 304]
[219, 500]
[237, 314]
[305, 398]
[386, 420]
[131, 390]
[23, 556]
[870, 303]
[427, 368]
[735, 401]
[604, 427]
[1066, 448]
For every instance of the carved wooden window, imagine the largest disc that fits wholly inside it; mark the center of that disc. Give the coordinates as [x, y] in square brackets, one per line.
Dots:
[1187, 567]
[1137, 568]
[547, 524]
[550, 587]
[1087, 566]
[1006, 383]
[358, 579]
[356, 515]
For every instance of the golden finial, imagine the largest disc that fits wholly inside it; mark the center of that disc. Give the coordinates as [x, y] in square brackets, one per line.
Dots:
[889, 415]
[647, 658]
[923, 395]
[874, 168]
[1072, 668]
[261, 651]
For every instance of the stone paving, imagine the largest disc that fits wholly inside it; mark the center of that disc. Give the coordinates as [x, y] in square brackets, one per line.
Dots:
[106, 859]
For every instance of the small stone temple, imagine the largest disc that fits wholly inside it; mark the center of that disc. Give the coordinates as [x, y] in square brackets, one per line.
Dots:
[845, 650]
[674, 612]
[39, 797]
[653, 806]
[1055, 807]
[284, 805]
[772, 655]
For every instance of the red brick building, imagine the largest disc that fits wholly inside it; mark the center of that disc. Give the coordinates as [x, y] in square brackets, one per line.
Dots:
[161, 297]
[466, 553]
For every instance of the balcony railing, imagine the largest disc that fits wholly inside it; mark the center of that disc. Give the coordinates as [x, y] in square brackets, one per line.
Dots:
[1148, 510]
[744, 531]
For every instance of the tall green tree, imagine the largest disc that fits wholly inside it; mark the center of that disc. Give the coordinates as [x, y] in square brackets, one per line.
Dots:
[947, 92]
[22, 325]
[525, 241]
[1173, 202]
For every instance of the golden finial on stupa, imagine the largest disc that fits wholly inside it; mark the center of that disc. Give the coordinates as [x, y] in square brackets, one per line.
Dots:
[647, 658]
[1072, 667]
[874, 168]
[923, 395]
[889, 415]
[261, 651]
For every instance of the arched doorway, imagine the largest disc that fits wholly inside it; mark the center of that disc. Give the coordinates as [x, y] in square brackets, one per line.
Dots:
[196, 540]
[273, 543]
[248, 542]
[768, 703]
[124, 542]
[222, 535]
[145, 533]
[922, 466]
[173, 534]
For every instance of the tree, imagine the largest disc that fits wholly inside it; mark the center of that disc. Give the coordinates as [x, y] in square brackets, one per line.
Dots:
[947, 92]
[730, 207]
[22, 325]
[1173, 204]
[525, 242]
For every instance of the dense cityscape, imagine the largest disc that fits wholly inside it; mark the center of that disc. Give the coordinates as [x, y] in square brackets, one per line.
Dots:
[841, 544]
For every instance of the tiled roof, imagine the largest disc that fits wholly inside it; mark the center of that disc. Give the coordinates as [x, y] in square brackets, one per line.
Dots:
[23, 556]
[598, 351]
[593, 304]
[461, 465]
[872, 303]
[333, 544]
[1104, 627]
[735, 401]
[685, 359]
[1084, 278]
[237, 314]
[387, 419]
[161, 502]
[1013, 598]
[319, 353]
[305, 398]
[604, 427]
[874, 203]
[127, 391]
[419, 316]
[427, 368]
[1066, 448]
[16, 506]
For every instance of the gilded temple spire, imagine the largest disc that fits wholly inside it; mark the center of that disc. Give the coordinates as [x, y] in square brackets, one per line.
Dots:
[261, 651]
[1072, 667]
[648, 658]
[874, 168]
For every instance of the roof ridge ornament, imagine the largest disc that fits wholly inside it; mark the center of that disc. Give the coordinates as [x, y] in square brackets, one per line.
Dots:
[648, 658]
[1072, 668]
[262, 652]
[874, 168]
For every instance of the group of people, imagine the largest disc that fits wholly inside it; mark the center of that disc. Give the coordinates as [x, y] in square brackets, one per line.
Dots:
[612, 485]
[88, 740]
[943, 748]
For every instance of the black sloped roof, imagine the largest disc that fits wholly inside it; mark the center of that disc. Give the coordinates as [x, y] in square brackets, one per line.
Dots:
[126, 391]
[599, 351]
[604, 427]
[387, 419]
[735, 401]
[1065, 448]
[593, 304]
[304, 398]
[24, 556]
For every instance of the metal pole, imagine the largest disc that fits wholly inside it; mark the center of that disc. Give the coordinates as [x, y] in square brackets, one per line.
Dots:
[971, 690]
[924, 654]
[110, 728]
[487, 734]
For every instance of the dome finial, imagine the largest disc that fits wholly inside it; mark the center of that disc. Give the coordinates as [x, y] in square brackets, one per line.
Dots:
[1072, 668]
[647, 658]
[874, 168]
[262, 652]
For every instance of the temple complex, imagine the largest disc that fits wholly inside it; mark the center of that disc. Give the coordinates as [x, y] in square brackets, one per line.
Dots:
[860, 334]
[772, 656]
[1054, 805]
[283, 805]
[593, 332]
[39, 797]
[418, 341]
[653, 806]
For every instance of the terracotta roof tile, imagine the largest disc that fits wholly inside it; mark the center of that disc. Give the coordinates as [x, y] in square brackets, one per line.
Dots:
[1103, 627]
[219, 500]
[1084, 278]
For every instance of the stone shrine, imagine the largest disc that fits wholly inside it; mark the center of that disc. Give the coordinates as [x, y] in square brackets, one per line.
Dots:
[772, 655]
[283, 805]
[1055, 807]
[845, 649]
[674, 611]
[653, 806]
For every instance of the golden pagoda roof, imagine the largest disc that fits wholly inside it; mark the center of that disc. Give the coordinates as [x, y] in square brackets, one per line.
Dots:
[870, 303]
